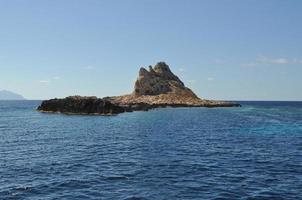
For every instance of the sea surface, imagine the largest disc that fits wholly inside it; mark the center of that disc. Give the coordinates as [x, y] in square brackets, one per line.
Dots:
[252, 152]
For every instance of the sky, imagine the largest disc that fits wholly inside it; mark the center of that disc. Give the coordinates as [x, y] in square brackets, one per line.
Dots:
[222, 49]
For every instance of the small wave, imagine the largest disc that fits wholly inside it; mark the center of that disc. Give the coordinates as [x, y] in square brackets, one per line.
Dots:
[116, 177]
[135, 198]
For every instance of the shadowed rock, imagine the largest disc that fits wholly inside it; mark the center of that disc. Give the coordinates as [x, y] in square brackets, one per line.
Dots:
[80, 105]
[159, 80]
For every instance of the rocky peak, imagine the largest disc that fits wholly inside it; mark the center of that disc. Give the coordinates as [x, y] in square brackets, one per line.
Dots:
[162, 67]
[163, 70]
[159, 80]
[143, 72]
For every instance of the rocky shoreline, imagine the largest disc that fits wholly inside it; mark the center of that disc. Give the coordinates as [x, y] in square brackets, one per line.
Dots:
[156, 88]
[80, 105]
[77, 105]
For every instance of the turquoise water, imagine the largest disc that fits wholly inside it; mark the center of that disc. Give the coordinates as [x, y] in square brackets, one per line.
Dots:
[252, 152]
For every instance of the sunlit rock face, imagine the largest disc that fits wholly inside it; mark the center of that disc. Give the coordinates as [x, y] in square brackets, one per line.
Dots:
[160, 80]
[158, 87]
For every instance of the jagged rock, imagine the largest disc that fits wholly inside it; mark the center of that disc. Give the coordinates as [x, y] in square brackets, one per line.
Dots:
[160, 80]
[158, 87]
[81, 105]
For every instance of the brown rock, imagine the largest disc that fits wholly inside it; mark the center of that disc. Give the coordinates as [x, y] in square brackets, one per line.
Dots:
[159, 87]
[160, 80]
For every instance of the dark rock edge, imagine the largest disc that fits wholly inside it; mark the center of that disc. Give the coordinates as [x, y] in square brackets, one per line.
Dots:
[76, 105]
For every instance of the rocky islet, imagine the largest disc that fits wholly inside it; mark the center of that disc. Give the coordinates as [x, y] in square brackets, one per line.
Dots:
[155, 88]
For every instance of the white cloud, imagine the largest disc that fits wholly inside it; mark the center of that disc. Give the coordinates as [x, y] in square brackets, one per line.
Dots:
[210, 78]
[272, 61]
[251, 64]
[44, 81]
[181, 69]
[280, 61]
[48, 81]
[267, 60]
[89, 67]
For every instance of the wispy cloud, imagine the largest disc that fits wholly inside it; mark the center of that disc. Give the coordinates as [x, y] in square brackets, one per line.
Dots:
[268, 60]
[50, 80]
[210, 79]
[44, 81]
[297, 61]
[260, 60]
[181, 69]
[251, 64]
[89, 67]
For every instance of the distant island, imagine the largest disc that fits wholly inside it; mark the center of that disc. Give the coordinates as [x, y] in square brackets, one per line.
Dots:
[8, 95]
[155, 88]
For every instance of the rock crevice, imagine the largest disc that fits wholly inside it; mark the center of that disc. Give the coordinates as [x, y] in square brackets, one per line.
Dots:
[160, 80]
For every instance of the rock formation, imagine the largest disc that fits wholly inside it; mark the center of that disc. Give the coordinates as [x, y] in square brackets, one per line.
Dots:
[158, 87]
[80, 105]
[160, 80]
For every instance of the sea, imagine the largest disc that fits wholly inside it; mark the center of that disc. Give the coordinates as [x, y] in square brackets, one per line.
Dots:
[248, 152]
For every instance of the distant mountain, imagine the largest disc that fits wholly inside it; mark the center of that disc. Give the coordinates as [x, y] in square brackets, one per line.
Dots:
[7, 95]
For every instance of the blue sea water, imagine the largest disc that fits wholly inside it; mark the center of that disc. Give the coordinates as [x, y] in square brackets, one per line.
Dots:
[252, 152]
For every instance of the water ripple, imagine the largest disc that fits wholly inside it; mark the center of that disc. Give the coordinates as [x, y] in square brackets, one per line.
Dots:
[253, 152]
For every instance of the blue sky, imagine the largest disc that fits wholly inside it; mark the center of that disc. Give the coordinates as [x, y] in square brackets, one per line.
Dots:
[222, 49]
